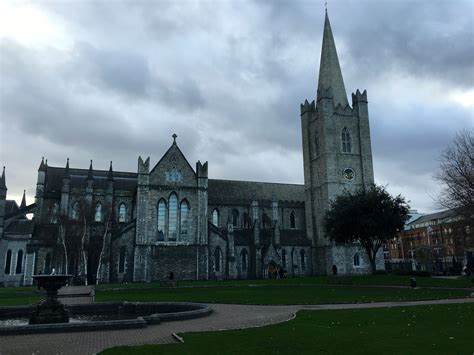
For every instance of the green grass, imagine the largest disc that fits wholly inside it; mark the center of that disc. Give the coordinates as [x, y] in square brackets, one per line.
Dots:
[440, 329]
[380, 280]
[277, 294]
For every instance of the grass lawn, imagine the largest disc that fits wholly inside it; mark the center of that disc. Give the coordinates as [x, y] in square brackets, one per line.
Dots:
[12, 296]
[440, 329]
[381, 280]
[277, 294]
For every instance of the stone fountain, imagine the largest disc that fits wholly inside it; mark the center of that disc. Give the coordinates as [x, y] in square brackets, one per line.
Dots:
[50, 310]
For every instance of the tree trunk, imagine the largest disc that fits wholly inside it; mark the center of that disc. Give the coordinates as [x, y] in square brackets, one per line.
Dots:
[373, 265]
[104, 238]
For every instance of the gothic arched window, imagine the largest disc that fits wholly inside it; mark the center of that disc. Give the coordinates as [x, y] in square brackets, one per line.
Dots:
[292, 220]
[316, 144]
[75, 211]
[98, 212]
[161, 218]
[356, 259]
[244, 259]
[184, 217]
[173, 216]
[19, 262]
[218, 260]
[122, 213]
[8, 262]
[303, 260]
[215, 217]
[283, 258]
[346, 141]
[235, 217]
[54, 213]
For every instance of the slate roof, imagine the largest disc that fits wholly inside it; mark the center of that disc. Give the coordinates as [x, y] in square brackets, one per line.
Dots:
[11, 207]
[293, 237]
[122, 180]
[434, 217]
[20, 227]
[232, 191]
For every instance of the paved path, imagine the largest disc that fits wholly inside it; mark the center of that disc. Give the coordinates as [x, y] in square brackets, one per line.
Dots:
[225, 316]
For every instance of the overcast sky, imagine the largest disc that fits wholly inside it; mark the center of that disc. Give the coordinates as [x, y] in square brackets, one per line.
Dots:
[113, 80]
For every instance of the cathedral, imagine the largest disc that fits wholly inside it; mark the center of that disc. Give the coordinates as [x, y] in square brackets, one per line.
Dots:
[171, 219]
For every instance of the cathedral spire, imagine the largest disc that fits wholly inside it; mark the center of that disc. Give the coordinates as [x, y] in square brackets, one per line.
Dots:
[23, 200]
[330, 81]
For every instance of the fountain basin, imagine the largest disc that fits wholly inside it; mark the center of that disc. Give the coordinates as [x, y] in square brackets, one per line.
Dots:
[101, 316]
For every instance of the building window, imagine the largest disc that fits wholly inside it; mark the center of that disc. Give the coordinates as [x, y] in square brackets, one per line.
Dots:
[346, 141]
[215, 217]
[98, 212]
[47, 264]
[173, 217]
[316, 144]
[75, 211]
[122, 255]
[54, 213]
[247, 221]
[8, 262]
[184, 217]
[303, 260]
[292, 220]
[161, 218]
[244, 259]
[235, 217]
[356, 259]
[283, 258]
[19, 262]
[218, 260]
[122, 213]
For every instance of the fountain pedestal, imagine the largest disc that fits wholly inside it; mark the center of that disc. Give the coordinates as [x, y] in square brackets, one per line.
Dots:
[50, 310]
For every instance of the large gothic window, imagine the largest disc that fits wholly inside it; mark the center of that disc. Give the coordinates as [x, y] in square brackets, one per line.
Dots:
[98, 212]
[215, 217]
[122, 213]
[346, 141]
[54, 213]
[75, 211]
[173, 217]
[244, 259]
[292, 220]
[8, 262]
[235, 217]
[19, 262]
[161, 219]
[184, 218]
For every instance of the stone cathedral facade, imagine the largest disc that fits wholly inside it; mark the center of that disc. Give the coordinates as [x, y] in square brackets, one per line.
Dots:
[170, 217]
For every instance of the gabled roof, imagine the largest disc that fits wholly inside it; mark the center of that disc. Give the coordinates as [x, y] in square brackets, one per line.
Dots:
[437, 217]
[11, 207]
[122, 180]
[233, 191]
[173, 147]
[20, 227]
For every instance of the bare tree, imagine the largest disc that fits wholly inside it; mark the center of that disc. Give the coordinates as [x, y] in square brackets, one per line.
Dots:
[457, 174]
[107, 225]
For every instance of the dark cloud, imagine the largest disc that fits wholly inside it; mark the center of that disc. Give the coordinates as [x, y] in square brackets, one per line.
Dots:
[228, 78]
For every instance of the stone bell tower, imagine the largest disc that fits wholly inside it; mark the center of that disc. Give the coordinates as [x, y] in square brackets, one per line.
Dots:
[337, 154]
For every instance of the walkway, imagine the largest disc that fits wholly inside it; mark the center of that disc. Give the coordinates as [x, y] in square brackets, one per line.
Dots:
[225, 316]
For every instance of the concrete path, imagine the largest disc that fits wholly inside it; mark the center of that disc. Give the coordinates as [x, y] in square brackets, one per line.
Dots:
[225, 316]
